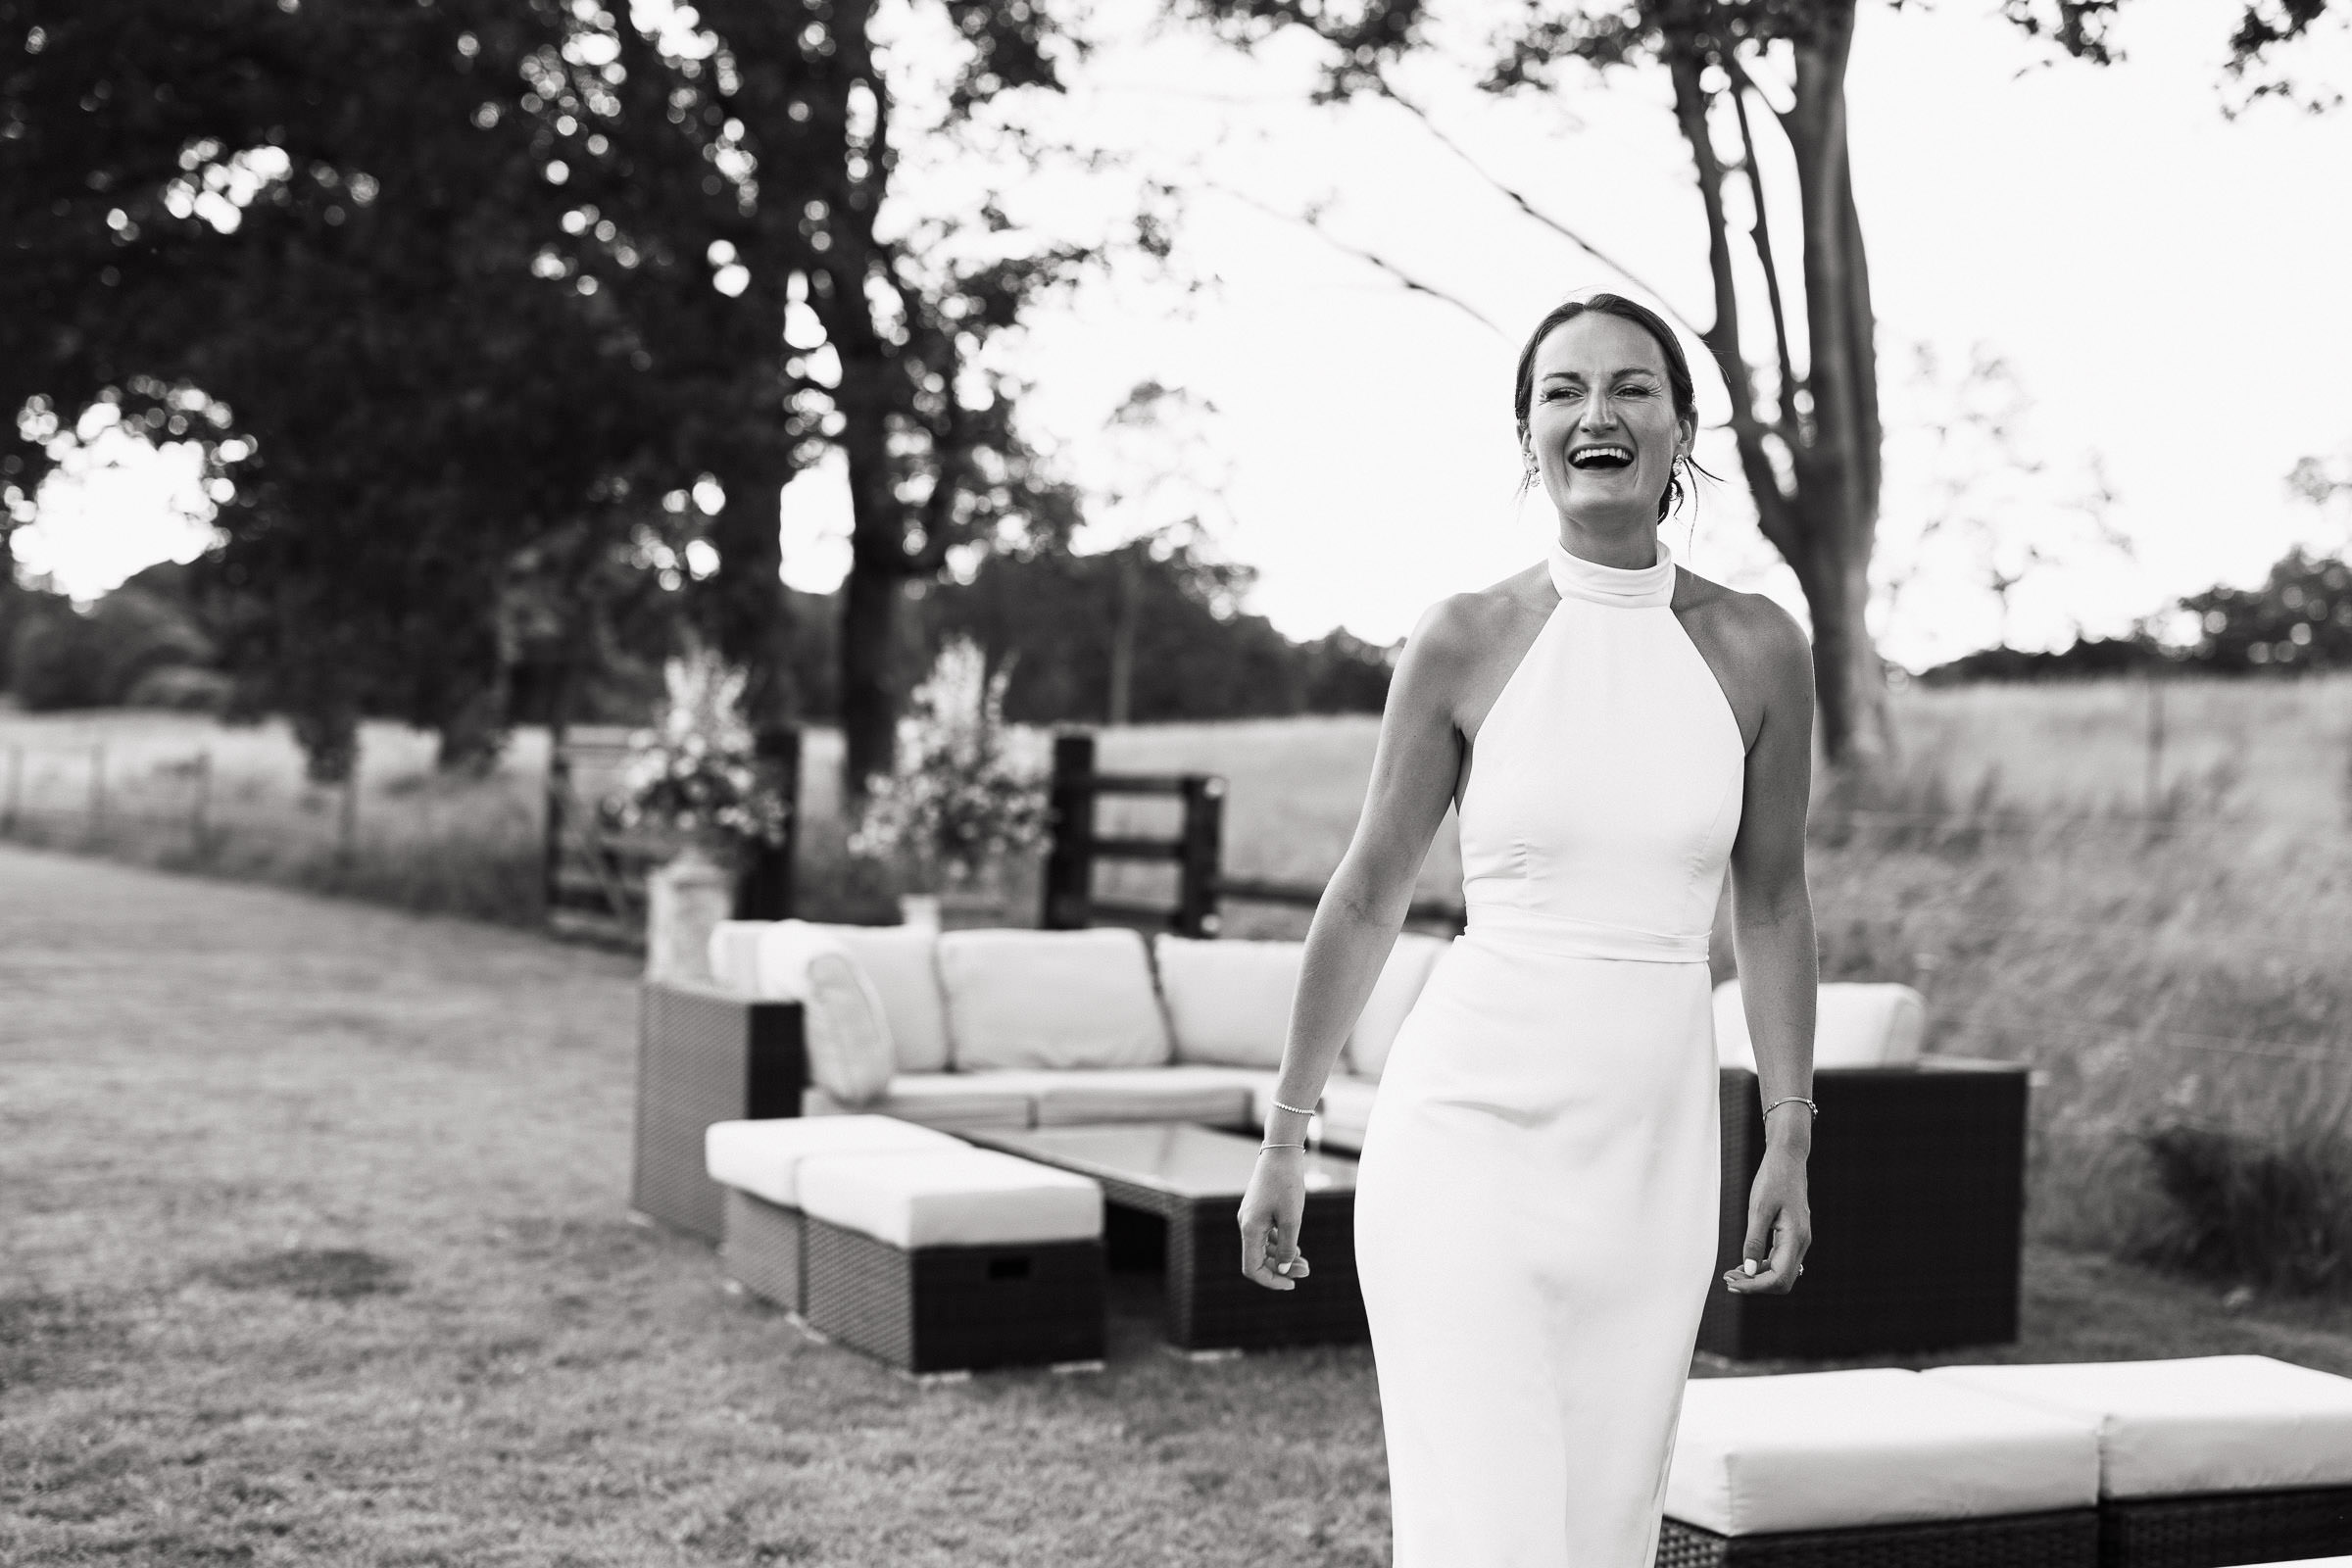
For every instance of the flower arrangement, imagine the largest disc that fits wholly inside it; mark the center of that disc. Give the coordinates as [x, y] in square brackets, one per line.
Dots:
[954, 805]
[696, 774]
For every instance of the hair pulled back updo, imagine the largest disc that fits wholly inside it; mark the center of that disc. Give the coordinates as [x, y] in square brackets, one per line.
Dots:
[1678, 385]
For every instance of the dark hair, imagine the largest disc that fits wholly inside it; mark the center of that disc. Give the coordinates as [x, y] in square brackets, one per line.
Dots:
[1677, 368]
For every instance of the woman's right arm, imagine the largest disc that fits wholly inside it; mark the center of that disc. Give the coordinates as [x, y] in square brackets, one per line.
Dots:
[1413, 772]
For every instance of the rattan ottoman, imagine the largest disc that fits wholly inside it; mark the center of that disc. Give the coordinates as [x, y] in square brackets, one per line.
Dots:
[1879, 1468]
[953, 1259]
[759, 1164]
[2204, 1462]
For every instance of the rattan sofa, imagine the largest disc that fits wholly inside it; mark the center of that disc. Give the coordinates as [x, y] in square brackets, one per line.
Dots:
[1917, 1168]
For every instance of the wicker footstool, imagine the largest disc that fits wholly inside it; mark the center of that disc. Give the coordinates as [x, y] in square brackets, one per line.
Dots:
[2206, 1461]
[953, 1259]
[758, 1164]
[1879, 1468]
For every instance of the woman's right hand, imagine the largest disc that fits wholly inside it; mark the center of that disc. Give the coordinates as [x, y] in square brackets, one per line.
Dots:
[1272, 1207]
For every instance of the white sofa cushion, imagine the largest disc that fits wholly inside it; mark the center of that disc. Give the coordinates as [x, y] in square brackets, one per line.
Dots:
[1229, 1002]
[1050, 998]
[1409, 964]
[847, 1031]
[953, 1197]
[2211, 1423]
[768, 960]
[953, 1101]
[1824, 1451]
[763, 1158]
[1181, 1093]
[1855, 1025]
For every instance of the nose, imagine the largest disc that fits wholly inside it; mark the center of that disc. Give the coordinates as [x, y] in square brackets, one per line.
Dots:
[1599, 414]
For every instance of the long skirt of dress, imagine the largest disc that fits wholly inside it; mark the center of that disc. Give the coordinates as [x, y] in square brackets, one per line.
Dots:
[1535, 1221]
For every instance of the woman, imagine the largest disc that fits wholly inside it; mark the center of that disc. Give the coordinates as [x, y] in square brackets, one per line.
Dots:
[1535, 1208]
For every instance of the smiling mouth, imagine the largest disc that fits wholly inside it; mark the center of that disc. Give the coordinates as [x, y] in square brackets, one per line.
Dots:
[1604, 457]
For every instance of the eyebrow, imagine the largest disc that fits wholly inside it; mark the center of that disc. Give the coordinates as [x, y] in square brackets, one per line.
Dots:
[1578, 376]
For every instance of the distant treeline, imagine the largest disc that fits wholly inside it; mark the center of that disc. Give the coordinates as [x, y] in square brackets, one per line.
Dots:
[2299, 619]
[1139, 633]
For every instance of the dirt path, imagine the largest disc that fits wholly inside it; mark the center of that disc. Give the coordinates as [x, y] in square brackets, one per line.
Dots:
[314, 1249]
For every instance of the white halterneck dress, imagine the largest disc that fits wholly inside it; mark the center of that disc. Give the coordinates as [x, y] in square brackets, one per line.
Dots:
[1536, 1209]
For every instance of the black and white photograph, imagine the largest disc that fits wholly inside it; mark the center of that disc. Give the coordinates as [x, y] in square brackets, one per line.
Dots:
[1176, 783]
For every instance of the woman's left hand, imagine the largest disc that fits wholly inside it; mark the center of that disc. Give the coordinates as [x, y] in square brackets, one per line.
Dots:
[1780, 1228]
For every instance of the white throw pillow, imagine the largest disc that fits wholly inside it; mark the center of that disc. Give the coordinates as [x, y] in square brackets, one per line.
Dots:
[1229, 1002]
[1411, 962]
[768, 960]
[1050, 998]
[849, 1035]
[1854, 1026]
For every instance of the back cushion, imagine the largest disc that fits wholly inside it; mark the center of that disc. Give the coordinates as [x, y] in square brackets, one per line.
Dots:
[1050, 998]
[768, 959]
[849, 1038]
[1410, 963]
[1229, 1002]
[1856, 1025]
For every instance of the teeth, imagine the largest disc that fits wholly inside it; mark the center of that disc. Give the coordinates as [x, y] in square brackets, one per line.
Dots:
[1578, 459]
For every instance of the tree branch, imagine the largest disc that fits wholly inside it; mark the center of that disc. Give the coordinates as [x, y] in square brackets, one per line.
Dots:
[1519, 200]
[1314, 221]
[1773, 513]
[1785, 419]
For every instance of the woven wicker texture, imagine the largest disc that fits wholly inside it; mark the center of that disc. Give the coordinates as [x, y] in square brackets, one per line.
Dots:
[762, 1247]
[944, 1308]
[705, 1057]
[1917, 1182]
[2067, 1539]
[2220, 1529]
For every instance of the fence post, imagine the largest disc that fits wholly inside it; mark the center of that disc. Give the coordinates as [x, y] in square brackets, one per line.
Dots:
[347, 828]
[97, 789]
[551, 842]
[200, 806]
[1203, 846]
[16, 788]
[765, 890]
[1070, 810]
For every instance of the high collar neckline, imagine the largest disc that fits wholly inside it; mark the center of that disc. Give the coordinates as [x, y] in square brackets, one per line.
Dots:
[1626, 588]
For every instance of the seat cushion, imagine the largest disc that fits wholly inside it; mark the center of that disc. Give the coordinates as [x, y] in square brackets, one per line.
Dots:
[952, 1101]
[2210, 1423]
[1409, 964]
[1854, 1026]
[768, 960]
[951, 1197]
[1050, 998]
[1229, 1002]
[1219, 1095]
[763, 1158]
[1825, 1450]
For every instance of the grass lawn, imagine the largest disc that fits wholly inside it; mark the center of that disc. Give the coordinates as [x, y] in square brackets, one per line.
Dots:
[315, 1249]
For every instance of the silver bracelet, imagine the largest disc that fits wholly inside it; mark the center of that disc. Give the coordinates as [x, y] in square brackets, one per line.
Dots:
[1293, 1109]
[1796, 1099]
[1262, 1147]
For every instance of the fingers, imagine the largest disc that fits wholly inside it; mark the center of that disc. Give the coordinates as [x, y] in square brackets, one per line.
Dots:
[1268, 1260]
[1772, 1263]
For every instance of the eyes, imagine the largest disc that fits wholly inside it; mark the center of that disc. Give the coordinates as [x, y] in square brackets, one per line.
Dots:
[1560, 390]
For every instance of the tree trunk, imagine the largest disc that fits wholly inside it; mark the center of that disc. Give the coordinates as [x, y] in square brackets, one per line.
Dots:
[877, 571]
[753, 618]
[1126, 608]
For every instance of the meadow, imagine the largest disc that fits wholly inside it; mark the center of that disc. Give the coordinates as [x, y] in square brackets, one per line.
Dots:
[2142, 892]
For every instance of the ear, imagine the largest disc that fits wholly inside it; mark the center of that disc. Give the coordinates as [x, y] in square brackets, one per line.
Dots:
[1687, 432]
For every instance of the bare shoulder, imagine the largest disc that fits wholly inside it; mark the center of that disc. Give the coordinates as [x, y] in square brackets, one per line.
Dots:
[1755, 635]
[1455, 650]
[1758, 651]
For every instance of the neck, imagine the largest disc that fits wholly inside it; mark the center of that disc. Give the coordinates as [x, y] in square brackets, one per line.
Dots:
[1610, 541]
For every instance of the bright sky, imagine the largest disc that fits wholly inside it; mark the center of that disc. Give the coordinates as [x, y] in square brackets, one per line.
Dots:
[2165, 285]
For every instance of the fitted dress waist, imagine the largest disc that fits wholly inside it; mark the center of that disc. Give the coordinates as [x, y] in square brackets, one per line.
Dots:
[1516, 926]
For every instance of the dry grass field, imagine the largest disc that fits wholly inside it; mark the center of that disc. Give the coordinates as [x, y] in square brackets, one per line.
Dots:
[2158, 929]
[314, 1249]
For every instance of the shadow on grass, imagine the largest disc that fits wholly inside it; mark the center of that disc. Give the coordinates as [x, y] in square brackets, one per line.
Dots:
[330, 1274]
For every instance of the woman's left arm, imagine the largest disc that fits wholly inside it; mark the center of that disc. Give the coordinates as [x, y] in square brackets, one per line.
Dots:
[1772, 933]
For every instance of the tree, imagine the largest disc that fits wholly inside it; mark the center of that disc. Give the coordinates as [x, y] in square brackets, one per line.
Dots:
[1795, 337]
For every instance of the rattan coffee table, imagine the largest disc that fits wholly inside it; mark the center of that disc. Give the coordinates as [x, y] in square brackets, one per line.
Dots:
[1178, 1185]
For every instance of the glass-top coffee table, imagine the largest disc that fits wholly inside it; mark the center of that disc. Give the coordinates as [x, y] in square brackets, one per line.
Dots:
[1189, 1179]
